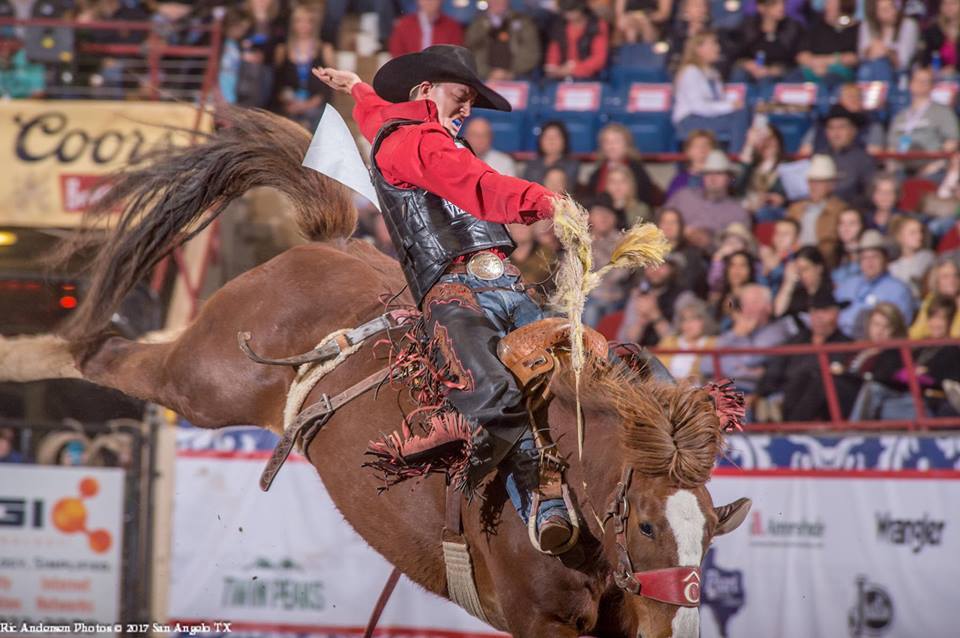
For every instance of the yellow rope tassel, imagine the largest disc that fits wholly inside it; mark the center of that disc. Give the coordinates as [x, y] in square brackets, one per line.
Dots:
[641, 246]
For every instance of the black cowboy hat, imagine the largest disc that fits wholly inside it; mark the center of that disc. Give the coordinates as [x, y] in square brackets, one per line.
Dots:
[824, 298]
[439, 63]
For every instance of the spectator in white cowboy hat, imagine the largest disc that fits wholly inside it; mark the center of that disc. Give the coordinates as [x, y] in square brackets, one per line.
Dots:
[818, 215]
[873, 285]
[711, 207]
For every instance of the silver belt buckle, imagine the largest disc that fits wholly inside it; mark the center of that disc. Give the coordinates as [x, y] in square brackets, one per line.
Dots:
[486, 266]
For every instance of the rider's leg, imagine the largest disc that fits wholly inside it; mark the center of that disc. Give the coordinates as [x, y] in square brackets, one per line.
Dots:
[467, 327]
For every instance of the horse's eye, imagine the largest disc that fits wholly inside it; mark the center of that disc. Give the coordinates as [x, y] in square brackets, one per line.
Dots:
[646, 529]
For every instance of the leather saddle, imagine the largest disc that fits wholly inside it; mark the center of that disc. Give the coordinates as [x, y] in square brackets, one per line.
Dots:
[530, 352]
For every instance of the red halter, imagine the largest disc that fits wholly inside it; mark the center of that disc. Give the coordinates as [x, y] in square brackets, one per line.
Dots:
[678, 586]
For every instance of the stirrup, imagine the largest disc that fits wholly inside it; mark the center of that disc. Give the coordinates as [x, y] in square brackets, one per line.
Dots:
[574, 523]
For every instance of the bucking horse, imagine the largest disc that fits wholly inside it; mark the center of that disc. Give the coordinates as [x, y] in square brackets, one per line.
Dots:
[638, 484]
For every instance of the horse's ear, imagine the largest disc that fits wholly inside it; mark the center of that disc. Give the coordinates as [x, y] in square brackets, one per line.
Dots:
[731, 515]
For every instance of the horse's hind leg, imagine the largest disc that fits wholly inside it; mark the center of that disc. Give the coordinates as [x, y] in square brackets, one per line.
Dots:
[136, 369]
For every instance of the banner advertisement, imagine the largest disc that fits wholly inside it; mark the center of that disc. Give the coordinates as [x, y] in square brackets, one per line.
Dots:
[55, 153]
[284, 560]
[60, 544]
[835, 554]
[833, 546]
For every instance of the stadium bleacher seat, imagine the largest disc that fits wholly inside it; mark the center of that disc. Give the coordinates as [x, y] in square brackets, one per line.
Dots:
[726, 15]
[638, 63]
[577, 105]
[512, 132]
[609, 326]
[913, 191]
[644, 108]
[764, 233]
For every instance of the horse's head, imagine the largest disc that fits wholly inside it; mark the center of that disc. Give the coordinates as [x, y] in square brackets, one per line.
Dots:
[661, 518]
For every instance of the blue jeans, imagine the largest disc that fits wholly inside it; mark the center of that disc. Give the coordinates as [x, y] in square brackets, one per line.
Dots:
[507, 310]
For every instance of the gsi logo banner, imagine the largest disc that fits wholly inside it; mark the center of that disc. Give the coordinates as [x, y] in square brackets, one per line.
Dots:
[68, 515]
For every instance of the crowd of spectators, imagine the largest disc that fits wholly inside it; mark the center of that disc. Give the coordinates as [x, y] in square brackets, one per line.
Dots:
[766, 250]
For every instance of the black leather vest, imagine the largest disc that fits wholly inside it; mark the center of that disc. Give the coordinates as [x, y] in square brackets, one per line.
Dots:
[427, 230]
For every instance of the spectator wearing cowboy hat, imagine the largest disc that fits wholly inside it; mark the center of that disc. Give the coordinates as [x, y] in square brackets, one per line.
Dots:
[799, 378]
[873, 285]
[818, 215]
[710, 207]
[850, 155]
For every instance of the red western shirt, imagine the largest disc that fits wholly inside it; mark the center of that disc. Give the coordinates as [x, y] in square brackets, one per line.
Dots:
[425, 156]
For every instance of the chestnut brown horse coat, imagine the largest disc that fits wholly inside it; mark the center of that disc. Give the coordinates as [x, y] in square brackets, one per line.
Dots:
[671, 436]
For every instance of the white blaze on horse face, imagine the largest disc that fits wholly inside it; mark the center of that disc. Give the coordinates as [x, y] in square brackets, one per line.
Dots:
[687, 523]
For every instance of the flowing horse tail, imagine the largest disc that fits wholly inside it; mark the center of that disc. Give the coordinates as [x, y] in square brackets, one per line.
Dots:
[177, 192]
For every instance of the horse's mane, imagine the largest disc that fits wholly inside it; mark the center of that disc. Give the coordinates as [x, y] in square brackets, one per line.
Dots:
[665, 430]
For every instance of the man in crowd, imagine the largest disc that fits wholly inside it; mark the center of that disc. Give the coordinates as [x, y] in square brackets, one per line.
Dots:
[799, 378]
[818, 215]
[579, 43]
[710, 207]
[506, 43]
[428, 26]
[855, 166]
[752, 328]
[479, 136]
[872, 285]
[923, 126]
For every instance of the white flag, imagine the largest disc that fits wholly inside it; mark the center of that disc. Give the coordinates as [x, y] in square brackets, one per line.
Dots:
[334, 153]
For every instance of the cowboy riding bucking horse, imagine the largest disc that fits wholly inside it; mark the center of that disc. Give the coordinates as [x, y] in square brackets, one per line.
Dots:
[446, 212]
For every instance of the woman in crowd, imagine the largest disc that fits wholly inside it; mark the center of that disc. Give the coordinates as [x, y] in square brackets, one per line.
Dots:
[693, 275]
[774, 258]
[696, 148]
[735, 238]
[650, 308]
[942, 39]
[915, 257]
[692, 19]
[944, 282]
[739, 269]
[622, 190]
[883, 195]
[699, 98]
[937, 364]
[590, 36]
[615, 148]
[887, 40]
[850, 225]
[759, 181]
[265, 34]
[534, 260]
[301, 95]
[553, 151]
[605, 227]
[803, 276]
[881, 396]
[693, 329]
[555, 180]
[767, 44]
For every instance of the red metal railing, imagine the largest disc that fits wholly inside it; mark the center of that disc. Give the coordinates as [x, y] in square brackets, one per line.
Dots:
[822, 352]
